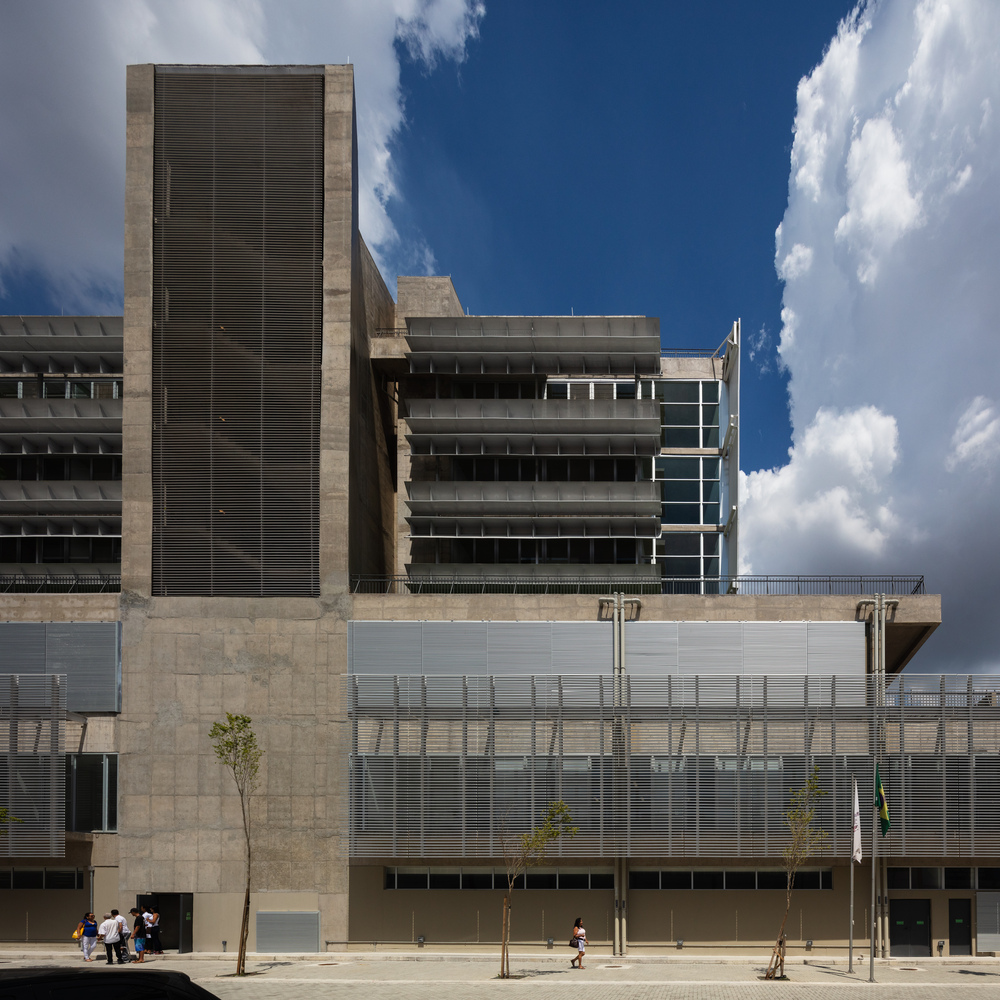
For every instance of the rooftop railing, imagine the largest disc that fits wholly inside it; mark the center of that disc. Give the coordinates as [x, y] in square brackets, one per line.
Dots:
[775, 586]
[691, 352]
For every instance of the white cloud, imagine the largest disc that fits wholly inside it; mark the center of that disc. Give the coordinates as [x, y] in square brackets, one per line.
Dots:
[797, 263]
[894, 185]
[62, 117]
[828, 498]
[976, 441]
[880, 206]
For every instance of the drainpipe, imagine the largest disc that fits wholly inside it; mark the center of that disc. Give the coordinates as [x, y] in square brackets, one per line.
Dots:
[623, 863]
[615, 750]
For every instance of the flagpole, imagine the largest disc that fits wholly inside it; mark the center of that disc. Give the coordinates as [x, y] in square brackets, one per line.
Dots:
[850, 944]
[850, 932]
[874, 697]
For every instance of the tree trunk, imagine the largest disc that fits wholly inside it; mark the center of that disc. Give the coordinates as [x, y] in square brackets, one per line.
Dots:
[241, 957]
[503, 939]
[778, 954]
[506, 949]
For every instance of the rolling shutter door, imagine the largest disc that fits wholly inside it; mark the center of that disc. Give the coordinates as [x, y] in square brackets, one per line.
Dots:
[283, 932]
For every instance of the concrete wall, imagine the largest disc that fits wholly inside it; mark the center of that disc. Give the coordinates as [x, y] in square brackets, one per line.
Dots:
[281, 662]
[708, 921]
[425, 295]
[52, 914]
[216, 916]
[921, 608]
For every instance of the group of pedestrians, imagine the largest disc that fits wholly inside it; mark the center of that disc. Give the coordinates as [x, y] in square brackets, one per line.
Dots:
[114, 934]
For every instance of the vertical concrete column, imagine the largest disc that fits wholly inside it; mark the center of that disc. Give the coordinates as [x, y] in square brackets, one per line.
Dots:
[341, 265]
[340, 245]
[404, 546]
[137, 416]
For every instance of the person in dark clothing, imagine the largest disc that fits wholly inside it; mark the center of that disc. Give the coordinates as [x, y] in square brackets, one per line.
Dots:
[139, 935]
[152, 918]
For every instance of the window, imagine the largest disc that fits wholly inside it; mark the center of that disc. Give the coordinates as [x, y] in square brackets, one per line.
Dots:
[691, 490]
[487, 878]
[958, 878]
[734, 879]
[689, 414]
[92, 792]
[683, 554]
[41, 878]
[989, 878]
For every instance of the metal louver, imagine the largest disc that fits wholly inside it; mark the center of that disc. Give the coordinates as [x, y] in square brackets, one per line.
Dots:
[237, 330]
[33, 764]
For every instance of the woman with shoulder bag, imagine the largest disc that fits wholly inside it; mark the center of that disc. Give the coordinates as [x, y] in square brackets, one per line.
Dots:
[580, 937]
[86, 934]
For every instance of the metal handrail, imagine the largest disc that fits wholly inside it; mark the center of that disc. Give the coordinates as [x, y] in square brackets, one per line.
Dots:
[777, 586]
[92, 583]
[689, 352]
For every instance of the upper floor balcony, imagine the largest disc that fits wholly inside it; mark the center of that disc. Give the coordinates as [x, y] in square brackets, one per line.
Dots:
[533, 426]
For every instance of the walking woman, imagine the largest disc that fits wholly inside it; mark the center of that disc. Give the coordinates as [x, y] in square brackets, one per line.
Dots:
[88, 935]
[581, 943]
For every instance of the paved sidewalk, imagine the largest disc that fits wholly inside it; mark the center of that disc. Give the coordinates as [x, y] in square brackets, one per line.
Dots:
[546, 977]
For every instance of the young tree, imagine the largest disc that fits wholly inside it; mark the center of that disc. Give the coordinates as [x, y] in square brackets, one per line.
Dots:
[804, 841]
[236, 746]
[522, 851]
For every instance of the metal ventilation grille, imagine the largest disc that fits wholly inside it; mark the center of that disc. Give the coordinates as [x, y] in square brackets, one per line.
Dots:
[33, 764]
[669, 766]
[237, 332]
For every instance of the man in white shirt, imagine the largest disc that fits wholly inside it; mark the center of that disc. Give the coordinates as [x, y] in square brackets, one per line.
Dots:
[124, 933]
[110, 933]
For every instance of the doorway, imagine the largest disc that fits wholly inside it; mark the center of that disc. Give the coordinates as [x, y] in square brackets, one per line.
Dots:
[909, 928]
[960, 926]
[175, 910]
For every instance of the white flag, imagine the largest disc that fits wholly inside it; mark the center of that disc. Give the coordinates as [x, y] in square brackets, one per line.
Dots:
[856, 853]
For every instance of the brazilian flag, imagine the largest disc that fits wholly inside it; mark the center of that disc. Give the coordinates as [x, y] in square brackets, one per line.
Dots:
[880, 804]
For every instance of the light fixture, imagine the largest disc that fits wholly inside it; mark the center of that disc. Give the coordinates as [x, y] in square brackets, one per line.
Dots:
[680, 942]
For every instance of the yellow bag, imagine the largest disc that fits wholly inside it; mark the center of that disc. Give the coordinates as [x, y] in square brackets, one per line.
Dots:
[76, 934]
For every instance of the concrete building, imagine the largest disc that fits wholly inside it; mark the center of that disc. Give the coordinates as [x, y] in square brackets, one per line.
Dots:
[454, 567]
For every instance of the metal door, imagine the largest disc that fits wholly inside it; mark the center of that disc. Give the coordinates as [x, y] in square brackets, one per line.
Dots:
[960, 926]
[909, 928]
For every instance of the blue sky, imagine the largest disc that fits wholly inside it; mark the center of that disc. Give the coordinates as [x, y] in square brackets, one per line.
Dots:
[828, 173]
[632, 158]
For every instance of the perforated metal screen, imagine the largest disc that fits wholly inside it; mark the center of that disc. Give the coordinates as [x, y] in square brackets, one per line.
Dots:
[237, 331]
[696, 766]
[87, 654]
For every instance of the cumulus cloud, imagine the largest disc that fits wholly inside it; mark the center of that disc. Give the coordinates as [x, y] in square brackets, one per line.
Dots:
[880, 206]
[828, 498]
[888, 334]
[62, 120]
[797, 263]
